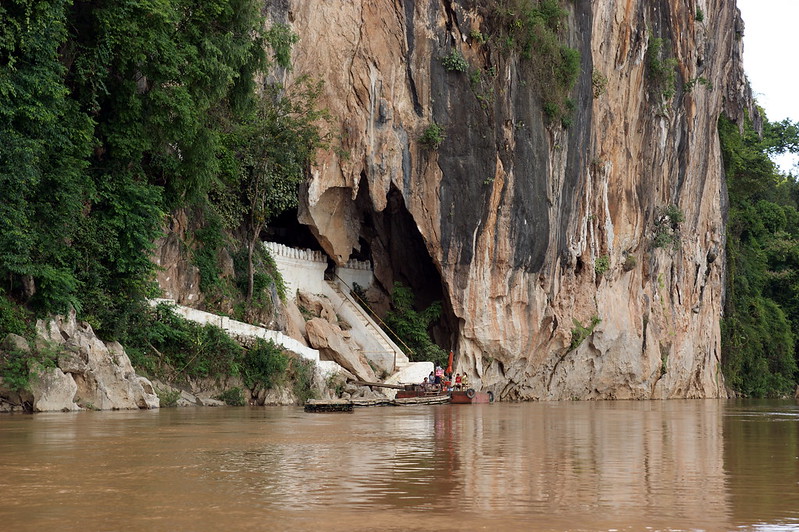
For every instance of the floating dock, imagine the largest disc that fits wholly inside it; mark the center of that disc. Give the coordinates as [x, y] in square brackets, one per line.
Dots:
[346, 405]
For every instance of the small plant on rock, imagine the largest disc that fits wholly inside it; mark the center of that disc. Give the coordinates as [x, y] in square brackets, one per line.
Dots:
[667, 227]
[232, 396]
[432, 137]
[700, 15]
[580, 332]
[602, 264]
[701, 80]
[661, 68]
[599, 83]
[168, 398]
[477, 36]
[455, 62]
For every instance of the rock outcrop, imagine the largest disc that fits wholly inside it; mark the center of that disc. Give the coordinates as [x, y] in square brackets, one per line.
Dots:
[334, 344]
[532, 229]
[87, 372]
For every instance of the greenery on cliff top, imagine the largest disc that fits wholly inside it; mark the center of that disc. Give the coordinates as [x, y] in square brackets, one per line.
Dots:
[535, 30]
[759, 345]
[112, 115]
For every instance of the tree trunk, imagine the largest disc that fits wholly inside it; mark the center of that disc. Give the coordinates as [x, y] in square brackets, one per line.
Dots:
[250, 272]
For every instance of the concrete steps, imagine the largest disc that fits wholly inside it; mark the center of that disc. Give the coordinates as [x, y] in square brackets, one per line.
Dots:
[368, 324]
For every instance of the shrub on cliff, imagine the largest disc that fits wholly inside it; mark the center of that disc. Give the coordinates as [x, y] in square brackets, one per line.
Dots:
[534, 29]
[661, 68]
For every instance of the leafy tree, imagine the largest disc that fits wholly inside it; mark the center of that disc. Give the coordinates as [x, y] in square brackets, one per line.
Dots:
[780, 137]
[272, 150]
[112, 113]
[42, 156]
[761, 310]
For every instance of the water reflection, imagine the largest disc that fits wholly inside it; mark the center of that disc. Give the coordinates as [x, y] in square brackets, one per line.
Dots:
[762, 461]
[669, 465]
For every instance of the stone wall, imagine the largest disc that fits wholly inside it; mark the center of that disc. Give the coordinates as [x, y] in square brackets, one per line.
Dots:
[244, 333]
[300, 268]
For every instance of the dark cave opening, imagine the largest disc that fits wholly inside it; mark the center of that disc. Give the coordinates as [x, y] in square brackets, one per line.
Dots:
[392, 241]
[287, 230]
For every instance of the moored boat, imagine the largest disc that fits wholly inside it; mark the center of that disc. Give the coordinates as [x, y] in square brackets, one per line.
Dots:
[417, 391]
[465, 397]
[470, 396]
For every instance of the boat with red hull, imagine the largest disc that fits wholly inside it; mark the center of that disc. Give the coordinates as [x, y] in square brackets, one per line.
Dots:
[470, 396]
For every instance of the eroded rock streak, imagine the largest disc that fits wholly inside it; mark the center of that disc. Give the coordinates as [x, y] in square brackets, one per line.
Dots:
[519, 215]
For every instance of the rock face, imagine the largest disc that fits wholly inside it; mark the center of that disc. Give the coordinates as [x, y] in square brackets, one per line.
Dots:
[89, 373]
[531, 229]
[333, 345]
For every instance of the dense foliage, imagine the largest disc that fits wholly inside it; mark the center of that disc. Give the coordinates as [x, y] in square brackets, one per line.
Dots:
[115, 113]
[170, 348]
[762, 306]
[412, 326]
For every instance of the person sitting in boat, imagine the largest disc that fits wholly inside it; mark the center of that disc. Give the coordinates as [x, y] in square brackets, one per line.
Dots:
[465, 381]
[458, 381]
[428, 382]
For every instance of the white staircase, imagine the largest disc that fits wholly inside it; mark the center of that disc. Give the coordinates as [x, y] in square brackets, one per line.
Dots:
[378, 345]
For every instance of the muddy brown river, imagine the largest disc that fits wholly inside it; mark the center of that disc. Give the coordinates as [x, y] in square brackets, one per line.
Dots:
[656, 465]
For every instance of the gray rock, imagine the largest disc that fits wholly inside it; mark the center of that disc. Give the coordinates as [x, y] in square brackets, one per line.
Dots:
[329, 340]
[101, 372]
[15, 342]
[53, 390]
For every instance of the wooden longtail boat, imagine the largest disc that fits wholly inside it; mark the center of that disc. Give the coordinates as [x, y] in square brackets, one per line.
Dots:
[464, 397]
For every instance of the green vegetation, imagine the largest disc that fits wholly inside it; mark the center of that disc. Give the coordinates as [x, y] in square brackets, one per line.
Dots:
[700, 15]
[301, 376]
[16, 366]
[602, 264]
[477, 36]
[534, 29]
[433, 136]
[14, 318]
[455, 62]
[175, 350]
[168, 398]
[580, 332]
[599, 83]
[630, 262]
[114, 114]
[701, 80]
[265, 365]
[232, 396]
[667, 227]
[761, 313]
[661, 68]
[412, 326]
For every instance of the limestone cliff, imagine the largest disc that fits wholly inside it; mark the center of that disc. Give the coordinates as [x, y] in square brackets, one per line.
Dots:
[530, 227]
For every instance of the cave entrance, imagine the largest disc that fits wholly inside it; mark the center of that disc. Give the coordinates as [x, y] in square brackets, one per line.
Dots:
[392, 241]
[287, 230]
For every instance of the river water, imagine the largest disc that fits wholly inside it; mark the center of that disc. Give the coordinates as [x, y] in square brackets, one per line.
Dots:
[654, 465]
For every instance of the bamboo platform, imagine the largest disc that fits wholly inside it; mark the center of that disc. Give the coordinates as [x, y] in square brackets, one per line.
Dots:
[332, 405]
[346, 405]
